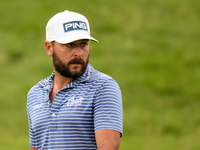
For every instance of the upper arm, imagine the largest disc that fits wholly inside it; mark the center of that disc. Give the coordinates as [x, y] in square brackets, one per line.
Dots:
[108, 111]
[107, 139]
[108, 116]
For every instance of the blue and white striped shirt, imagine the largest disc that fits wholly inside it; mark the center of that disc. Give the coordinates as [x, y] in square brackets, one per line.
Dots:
[89, 103]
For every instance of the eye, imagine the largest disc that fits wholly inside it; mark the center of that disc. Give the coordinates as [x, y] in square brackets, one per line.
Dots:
[69, 45]
[83, 44]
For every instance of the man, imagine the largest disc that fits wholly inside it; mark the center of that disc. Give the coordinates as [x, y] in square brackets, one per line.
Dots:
[76, 107]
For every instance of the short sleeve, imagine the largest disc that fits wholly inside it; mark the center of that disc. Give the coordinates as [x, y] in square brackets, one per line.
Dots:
[108, 111]
[31, 131]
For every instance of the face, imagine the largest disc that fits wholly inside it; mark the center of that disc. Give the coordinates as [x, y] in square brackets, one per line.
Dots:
[70, 60]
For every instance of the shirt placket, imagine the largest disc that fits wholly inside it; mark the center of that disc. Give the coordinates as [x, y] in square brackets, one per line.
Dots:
[55, 108]
[53, 121]
[52, 114]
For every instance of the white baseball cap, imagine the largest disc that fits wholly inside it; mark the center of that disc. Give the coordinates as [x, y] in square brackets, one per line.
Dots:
[67, 26]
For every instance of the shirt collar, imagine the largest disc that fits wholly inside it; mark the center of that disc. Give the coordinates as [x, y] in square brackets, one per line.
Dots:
[88, 76]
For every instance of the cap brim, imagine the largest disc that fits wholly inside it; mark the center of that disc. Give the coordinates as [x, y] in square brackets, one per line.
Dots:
[69, 39]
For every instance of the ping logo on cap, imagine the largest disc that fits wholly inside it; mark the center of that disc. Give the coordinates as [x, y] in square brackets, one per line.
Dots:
[75, 25]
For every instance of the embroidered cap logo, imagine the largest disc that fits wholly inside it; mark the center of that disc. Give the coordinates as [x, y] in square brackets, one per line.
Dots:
[75, 25]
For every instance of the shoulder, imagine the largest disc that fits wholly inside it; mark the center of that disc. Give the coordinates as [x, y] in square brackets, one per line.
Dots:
[37, 89]
[38, 86]
[106, 85]
[105, 80]
[96, 77]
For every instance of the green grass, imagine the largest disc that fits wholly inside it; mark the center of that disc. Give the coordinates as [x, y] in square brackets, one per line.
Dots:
[150, 47]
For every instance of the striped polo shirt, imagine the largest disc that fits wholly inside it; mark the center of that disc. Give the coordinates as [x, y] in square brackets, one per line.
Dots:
[89, 103]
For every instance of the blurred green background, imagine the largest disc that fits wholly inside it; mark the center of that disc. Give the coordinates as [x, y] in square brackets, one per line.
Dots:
[150, 47]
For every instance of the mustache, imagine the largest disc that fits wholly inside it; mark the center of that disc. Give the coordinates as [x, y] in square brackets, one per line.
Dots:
[76, 61]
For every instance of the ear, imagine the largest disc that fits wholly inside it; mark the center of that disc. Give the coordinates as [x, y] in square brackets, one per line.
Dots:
[49, 48]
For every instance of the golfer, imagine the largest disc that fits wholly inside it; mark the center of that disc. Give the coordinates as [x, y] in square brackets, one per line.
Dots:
[76, 107]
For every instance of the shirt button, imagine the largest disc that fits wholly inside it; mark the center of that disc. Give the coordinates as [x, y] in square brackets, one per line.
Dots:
[49, 103]
[53, 114]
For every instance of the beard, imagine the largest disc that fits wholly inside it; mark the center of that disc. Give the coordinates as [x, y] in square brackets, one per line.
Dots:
[64, 69]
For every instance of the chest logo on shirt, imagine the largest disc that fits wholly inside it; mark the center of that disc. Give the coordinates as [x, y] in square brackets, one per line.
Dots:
[74, 102]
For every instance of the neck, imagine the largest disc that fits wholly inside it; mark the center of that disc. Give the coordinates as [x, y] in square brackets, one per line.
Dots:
[61, 81]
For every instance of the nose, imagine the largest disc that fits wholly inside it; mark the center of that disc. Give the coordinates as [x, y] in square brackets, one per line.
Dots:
[78, 50]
